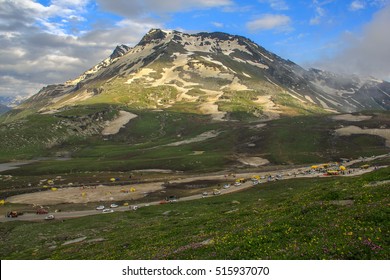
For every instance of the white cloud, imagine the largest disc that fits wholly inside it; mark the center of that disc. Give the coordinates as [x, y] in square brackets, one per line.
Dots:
[366, 53]
[319, 14]
[217, 24]
[357, 5]
[141, 7]
[270, 22]
[278, 5]
[33, 55]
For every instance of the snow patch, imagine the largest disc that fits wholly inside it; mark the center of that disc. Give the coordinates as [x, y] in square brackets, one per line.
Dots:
[351, 118]
[349, 130]
[114, 126]
[253, 161]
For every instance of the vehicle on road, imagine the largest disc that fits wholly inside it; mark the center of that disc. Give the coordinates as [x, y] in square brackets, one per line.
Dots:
[13, 214]
[107, 211]
[113, 205]
[216, 192]
[171, 198]
[49, 217]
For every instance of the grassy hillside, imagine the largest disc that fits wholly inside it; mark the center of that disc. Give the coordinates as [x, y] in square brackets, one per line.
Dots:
[142, 144]
[321, 218]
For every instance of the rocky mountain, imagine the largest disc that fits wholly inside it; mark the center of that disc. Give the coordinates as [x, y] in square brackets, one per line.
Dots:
[211, 73]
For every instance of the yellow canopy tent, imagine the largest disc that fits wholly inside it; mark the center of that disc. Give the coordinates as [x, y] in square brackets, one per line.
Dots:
[54, 189]
[342, 168]
[112, 179]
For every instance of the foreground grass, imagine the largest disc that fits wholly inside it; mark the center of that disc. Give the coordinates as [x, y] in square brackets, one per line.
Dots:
[321, 218]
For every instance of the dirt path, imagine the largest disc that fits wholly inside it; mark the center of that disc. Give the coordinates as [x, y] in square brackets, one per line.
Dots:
[200, 138]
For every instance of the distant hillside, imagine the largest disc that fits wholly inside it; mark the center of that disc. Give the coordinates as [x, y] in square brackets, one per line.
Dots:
[4, 109]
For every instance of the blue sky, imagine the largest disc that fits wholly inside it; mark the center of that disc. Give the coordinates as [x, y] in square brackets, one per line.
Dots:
[51, 41]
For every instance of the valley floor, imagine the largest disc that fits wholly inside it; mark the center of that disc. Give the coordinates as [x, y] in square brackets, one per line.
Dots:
[133, 193]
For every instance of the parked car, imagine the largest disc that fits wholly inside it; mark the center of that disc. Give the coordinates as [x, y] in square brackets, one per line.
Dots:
[107, 211]
[171, 198]
[100, 207]
[113, 205]
[49, 217]
[133, 207]
[216, 192]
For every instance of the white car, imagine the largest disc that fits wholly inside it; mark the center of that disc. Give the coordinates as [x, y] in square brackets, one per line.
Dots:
[114, 205]
[107, 211]
[49, 217]
[100, 207]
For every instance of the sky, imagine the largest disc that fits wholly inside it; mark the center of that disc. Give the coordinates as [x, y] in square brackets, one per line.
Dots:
[51, 41]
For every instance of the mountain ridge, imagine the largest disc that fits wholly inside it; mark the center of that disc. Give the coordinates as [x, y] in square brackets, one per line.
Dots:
[209, 63]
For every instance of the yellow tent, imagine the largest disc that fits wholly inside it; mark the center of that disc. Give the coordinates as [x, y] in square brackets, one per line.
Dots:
[342, 168]
[126, 204]
[132, 189]
[54, 189]
[112, 179]
[314, 167]
[2, 202]
[256, 177]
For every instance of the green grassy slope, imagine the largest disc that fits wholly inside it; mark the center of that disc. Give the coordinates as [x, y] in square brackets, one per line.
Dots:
[321, 218]
[142, 143]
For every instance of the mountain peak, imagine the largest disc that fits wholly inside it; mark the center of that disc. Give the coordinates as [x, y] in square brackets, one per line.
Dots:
[119, 51]
[154, 34]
